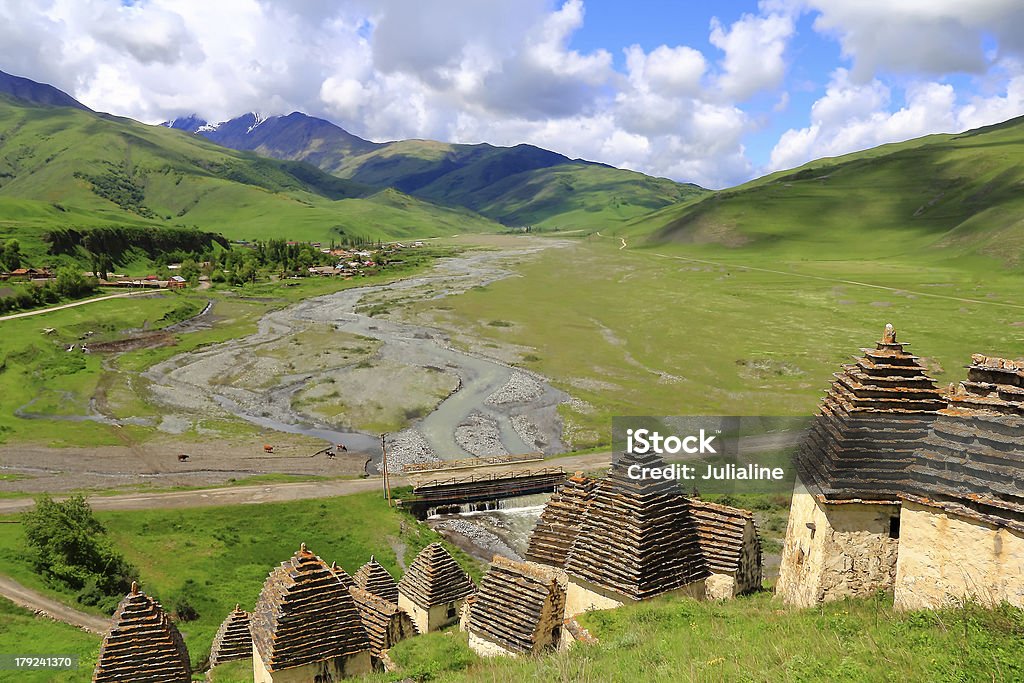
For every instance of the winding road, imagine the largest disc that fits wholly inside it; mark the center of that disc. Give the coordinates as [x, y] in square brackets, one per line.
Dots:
[74, 304]
[43, 605]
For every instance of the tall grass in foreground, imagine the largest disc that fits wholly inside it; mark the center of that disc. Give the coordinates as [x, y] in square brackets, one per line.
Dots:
[753, 638]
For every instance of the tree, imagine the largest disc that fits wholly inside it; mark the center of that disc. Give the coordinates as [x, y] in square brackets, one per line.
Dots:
[10, 255]
[68, 546]
[190, 270]
[71, 284]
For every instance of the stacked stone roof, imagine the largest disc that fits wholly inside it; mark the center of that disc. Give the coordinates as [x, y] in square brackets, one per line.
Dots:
[435, 578]
[373, 577]
[342, 575]
[868, 426]
[721, 530]
[972, 462]
[384, 622]
[305, 615]
[233, 639]
[560, 521]
[509, 605]
[637, 536]
[142, 645]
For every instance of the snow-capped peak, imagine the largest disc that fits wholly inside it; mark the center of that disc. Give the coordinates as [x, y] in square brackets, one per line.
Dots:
[208, 128]
[189, 123]
[258, 118]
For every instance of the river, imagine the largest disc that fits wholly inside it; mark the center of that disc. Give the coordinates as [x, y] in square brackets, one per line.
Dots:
[496, 409]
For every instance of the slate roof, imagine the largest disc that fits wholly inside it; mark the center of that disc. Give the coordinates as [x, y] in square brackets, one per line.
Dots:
[722, 533]
[972, 462]
[305, 615]
[863, 438]
[560, 521]
[508, 608]
[233, 639]
[384, 622]
[637, 536]
[143, 645]
[373, 577]
[435, 578]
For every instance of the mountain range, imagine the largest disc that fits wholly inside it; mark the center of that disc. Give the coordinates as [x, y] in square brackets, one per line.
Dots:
[300, 177]
[517, 185]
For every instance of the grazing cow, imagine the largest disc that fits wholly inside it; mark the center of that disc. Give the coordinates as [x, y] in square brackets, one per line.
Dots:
[183, 458]
[267, 448]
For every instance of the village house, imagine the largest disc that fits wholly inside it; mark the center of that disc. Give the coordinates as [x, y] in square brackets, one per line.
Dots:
[306, 626]
[142, 644]
[519, 610]
[233, 640]
[434, 588]
[905, 489]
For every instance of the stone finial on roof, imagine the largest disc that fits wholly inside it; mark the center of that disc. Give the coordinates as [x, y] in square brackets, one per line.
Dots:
[233, 639]
[435, 578]
[142, 644]
[305, 615]
[868, 425]
[373, 577]
[889, 334]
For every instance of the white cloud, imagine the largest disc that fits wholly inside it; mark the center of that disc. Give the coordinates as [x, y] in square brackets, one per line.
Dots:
[854, 116]
[667, 70]
[507, 71]
[754, 50]
[919, 36]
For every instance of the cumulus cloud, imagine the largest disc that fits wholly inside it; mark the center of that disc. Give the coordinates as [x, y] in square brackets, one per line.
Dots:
[508, 71]
[754, 50]
[919, 36]
[853, 116]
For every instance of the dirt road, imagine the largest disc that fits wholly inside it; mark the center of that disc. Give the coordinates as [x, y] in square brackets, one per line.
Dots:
[27, 314]
[283, 492]
[37, 602]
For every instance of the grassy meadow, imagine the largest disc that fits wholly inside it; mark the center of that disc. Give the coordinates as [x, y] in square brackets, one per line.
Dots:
[750, 639]
[920, 201]
[23, 633]
[672, 329]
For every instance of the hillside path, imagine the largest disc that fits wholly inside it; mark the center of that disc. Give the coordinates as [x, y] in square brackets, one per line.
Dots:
[37, 602]
[73, 304]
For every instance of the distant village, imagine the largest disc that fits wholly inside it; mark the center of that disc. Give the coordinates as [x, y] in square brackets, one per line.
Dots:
[344, 263]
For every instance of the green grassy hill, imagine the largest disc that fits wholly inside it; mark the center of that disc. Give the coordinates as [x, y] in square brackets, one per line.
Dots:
[62, 167]
[522, 185]
[935, 197]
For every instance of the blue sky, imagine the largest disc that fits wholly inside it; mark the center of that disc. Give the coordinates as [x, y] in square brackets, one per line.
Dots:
[713, 93]
[650, 23]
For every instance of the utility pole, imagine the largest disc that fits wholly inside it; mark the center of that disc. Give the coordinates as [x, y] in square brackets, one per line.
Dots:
[384, 467]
